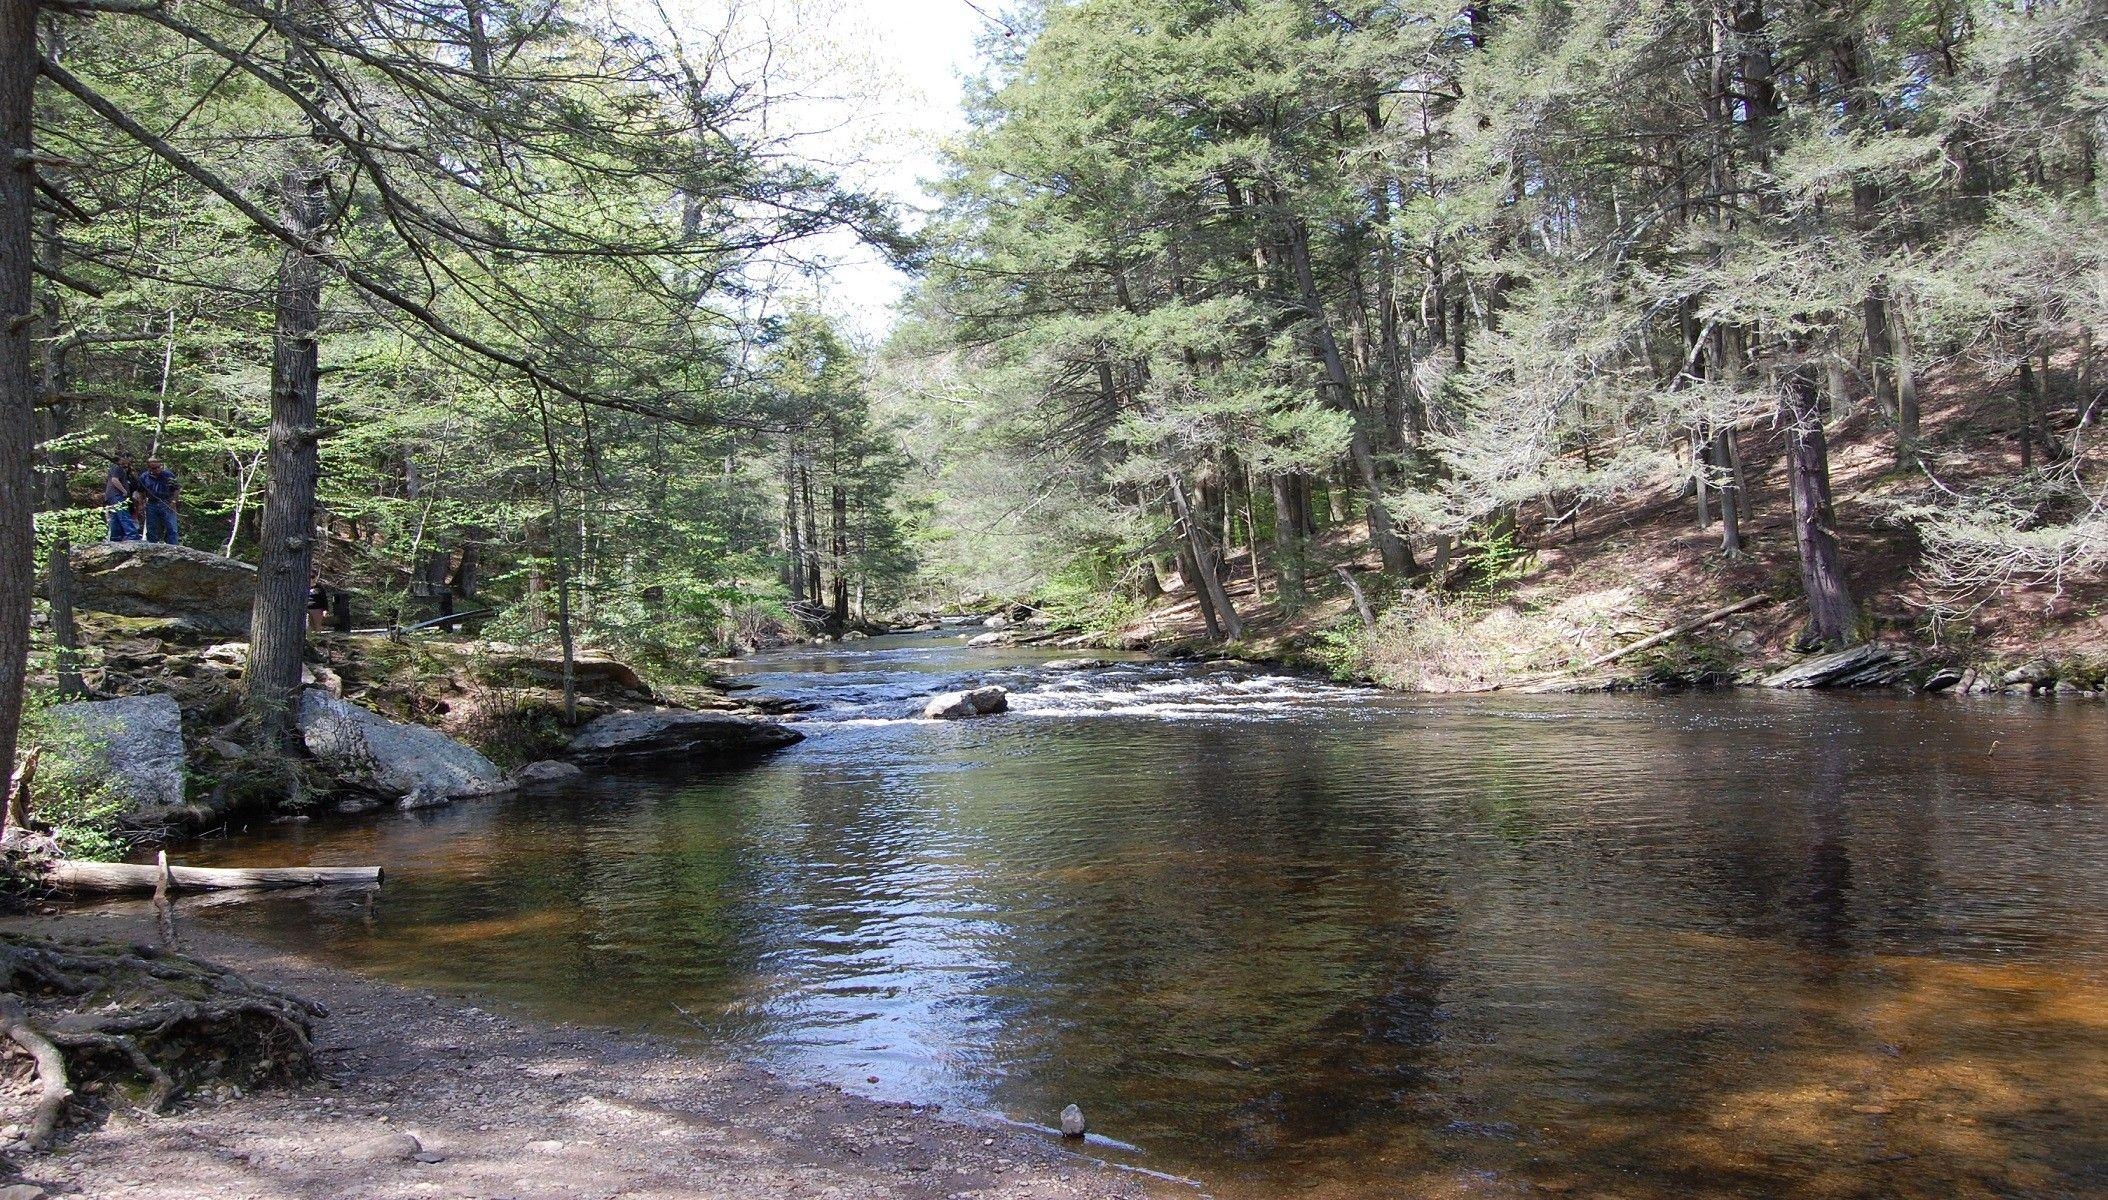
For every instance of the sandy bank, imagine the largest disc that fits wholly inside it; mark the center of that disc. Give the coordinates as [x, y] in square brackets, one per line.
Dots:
[499, 1107]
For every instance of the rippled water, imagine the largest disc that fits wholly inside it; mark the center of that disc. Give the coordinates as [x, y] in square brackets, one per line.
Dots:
[1298, 939]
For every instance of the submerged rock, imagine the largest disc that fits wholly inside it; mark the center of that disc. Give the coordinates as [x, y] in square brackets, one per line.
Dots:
[954, 706]
[202, 592]
[138, 742]
[410, 764]
[549, 770]
[662, 735]
[1860, 666]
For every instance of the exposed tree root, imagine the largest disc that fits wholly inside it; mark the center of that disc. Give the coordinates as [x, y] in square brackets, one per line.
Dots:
[103, 1011]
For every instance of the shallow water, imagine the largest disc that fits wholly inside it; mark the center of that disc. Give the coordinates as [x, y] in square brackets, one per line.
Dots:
[1299, 939]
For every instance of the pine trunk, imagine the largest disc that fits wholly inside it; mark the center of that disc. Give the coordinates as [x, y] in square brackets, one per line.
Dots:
[1831, 617]
[286, 543]
[18, 380]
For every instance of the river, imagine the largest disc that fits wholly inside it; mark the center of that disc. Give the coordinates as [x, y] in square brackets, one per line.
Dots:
[1292, 938]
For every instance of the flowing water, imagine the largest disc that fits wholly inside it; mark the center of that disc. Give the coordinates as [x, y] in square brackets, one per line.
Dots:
[1298, 939]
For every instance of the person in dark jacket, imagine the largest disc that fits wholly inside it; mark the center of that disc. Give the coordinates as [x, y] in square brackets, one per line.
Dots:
[119, 488]
[159, 484]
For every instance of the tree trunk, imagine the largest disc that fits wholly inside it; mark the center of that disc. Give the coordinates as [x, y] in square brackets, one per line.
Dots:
[18, 378]
[1397, 558]
[1725, 458]
[1288, 545]
[1904, 374]
[1831, 616]
[812, 535]
[58, 588]
[286, 543]
[793, 542]
[840, 496]
[1209, 581]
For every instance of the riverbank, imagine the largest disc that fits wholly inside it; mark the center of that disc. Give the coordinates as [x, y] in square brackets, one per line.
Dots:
[1538, 602]
[425, 1095]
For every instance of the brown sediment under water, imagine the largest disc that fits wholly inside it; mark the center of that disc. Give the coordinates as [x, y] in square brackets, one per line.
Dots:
[1294, 939]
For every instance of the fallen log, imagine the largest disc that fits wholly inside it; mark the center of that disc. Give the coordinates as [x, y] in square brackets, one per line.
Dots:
[72, 875]
[1691, 626]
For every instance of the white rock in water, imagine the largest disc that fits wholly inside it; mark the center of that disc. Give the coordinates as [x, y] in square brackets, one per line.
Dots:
[980, 702]
[1072, 1122]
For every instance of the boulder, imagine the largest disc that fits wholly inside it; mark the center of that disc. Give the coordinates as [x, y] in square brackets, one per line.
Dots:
[998, 621]
[988, 639]
[138, 741]
[1860, 666]
[410, 764]
[954, 706]
[1074, 664]
[673, 735]
[201, 592]
[549, 770]
[590, 668]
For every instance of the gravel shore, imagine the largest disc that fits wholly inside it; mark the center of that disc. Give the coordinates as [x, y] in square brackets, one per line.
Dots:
[428, 1096]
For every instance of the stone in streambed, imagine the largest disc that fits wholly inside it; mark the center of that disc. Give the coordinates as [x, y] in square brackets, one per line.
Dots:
[385, 1147]
[675, 735]
[955, 706]
[1072, 1122]
[547, 771]
[989, 639]
[1074, 664]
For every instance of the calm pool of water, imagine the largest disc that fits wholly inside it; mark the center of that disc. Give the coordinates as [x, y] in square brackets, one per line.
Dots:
[1299, 939]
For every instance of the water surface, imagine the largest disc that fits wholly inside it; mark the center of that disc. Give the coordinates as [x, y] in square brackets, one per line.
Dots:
[1299, 939]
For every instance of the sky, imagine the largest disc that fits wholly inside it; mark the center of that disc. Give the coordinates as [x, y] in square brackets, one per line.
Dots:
[901, 65]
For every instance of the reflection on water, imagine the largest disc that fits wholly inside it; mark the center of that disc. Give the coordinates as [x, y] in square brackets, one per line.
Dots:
[1299, 939]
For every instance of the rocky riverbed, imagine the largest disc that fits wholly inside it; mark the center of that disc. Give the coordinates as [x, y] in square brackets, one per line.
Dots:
[425, 1095]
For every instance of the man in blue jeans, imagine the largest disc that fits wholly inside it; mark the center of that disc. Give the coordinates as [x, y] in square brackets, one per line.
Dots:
[117, 489]
[159, 484]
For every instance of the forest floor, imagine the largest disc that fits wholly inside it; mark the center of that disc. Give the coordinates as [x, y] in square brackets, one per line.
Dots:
[1620, 570]
[423, 1095]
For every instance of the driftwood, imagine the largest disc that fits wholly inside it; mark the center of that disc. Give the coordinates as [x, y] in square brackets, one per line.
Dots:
[71, 875]
[1695, 623]
[1361, 599]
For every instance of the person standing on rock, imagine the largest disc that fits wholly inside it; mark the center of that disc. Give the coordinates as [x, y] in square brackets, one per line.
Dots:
[118, 490]
[159, 484]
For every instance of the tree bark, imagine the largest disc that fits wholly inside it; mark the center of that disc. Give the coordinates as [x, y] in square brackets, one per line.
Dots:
[1288, 545]
[58, 588]
[1209, 581]
[286, 543]
[1832, 619]
[18, 377]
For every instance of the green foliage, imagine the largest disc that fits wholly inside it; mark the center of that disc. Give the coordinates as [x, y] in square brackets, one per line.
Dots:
[73, 793]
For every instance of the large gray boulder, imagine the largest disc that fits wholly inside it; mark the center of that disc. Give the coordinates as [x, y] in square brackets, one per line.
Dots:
[136, 741]
[957, 706]
[205, 592]
[664, 735]
[414, 766]
[1861, 666]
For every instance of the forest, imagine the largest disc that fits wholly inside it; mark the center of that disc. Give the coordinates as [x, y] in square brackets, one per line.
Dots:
[460, 499]
[1455, 283]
